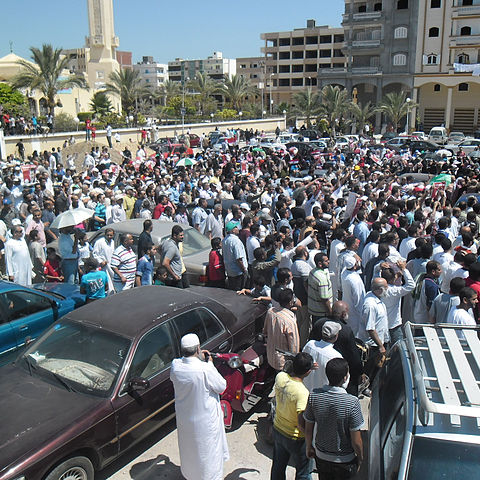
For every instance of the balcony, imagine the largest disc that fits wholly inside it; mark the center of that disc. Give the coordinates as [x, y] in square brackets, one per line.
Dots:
[365, 70]
[362, 17]
[366, 43]
[461, 11]
[333, 71]
[460, 41]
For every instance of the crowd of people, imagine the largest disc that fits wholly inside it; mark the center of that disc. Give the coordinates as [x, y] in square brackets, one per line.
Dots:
[342, 247]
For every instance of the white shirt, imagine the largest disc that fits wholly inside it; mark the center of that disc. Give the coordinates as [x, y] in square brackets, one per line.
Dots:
[201, 434]
[374, 317]
[370, 251]
[393, 299]
[17, 261]
[322, 352]
[459, 316]
[353, 295]
[253, 243]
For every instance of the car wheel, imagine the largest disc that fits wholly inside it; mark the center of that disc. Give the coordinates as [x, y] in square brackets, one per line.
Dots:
[76, 468]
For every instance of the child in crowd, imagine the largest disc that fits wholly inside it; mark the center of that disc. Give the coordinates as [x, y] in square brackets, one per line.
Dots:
[260, 292]
[161, 275]
[94, 281]
[216, 267]
[52, 268]
[144, 275]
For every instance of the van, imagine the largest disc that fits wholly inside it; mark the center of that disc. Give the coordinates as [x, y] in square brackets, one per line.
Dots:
[438, 135]
[425, 406]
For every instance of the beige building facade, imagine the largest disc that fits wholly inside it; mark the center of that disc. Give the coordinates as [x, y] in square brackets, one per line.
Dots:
[294, 58]
[447, 73]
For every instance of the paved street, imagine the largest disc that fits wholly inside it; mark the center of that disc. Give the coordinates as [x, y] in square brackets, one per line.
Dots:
[250, 454]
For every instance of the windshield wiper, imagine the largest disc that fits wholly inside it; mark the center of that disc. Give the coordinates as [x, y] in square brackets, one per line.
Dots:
[31, 365]
[62, 381]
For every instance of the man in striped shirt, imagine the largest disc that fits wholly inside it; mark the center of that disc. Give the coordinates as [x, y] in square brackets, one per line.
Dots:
[124, 264]
[338, 449]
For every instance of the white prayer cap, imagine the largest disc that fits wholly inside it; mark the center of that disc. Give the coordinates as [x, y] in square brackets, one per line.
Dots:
[189, 340]
[349, 262]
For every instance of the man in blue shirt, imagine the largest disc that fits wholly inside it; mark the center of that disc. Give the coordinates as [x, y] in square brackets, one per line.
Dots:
[234, 257]
[93, 282]
[146, 264]
[361, 231]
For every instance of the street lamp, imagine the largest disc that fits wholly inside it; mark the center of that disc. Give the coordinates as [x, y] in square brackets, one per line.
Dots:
[408, 100]
[240, 115]
[211, 116]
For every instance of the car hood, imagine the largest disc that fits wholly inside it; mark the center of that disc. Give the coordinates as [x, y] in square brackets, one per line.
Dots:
[35, 411]
[197, 262]
[65, 289]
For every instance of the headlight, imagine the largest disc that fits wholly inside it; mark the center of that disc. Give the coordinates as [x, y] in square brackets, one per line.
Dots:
[235, 362]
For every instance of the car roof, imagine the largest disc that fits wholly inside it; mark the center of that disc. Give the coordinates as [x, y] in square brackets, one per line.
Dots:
[135, 227]
[134, 310]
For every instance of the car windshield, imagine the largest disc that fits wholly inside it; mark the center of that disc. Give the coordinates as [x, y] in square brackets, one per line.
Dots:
[80, 357]
[432, 458]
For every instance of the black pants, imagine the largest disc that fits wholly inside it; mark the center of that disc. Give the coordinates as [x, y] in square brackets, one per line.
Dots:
[109, 140]
[236, 283]
[335, 471]
[182, 283]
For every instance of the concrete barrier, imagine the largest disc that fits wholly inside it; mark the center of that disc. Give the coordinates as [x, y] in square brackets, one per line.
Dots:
[46, 142]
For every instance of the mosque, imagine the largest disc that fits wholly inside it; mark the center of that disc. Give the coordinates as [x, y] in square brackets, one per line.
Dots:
[96, 61]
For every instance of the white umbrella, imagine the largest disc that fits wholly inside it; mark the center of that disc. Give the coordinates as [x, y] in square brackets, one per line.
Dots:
[443, 152]
[186, 162]
[72, 217]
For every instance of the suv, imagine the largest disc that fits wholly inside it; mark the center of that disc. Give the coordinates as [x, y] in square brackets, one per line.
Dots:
[425, 407]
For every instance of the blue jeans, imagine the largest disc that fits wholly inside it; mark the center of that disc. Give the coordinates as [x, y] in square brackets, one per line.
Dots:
[283, 449]
[70, 271]
[396, 334]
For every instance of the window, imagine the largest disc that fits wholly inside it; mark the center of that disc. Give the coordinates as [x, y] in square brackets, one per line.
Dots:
[402, 4]
[435, 3]
[154, 353]
[297, 82]
[466, 31]
[434, 32]
[297, 68]
[325, 53]
[284, 69]
[464, 58]
[284, 56]
[199, 321]
[432, 59]
[362, 8]
[100, 74]
[399, 59]
[297, 55]
[19, 304]
[463, 87]
[400, 32]
[436, 87]
[377, 7]
[325, 39]
[467, 2]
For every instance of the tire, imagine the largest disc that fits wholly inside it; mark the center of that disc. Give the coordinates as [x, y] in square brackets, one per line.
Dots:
[75, 468]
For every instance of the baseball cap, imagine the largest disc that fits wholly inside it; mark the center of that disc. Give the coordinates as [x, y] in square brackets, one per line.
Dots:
[330, 330]
[230, 226]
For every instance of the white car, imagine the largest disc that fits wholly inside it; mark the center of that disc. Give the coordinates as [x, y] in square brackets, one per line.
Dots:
[468, 146]
[456, 137]
[420, 135]
[288, 137]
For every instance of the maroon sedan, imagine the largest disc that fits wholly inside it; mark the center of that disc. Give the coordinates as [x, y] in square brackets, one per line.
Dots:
[97, 382]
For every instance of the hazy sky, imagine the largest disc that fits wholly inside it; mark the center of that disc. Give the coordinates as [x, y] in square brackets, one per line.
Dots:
[163, 29]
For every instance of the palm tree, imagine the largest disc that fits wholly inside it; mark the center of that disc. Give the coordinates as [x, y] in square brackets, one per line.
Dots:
[127, 84]
[335, 103]
[47, 74]
[167, 91]
[395, 106]
[307, 104]
[236, 89]
[205, 87]
[100, 103]
[362, 113]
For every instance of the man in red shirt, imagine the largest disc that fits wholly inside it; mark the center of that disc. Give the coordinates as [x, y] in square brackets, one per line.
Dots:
[473, 281]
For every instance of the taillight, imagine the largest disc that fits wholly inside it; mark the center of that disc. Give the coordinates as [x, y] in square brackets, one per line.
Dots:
[202, 279]
[238, 395]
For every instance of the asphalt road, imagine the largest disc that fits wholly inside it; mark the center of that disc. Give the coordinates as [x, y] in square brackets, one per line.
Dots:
[250, 454]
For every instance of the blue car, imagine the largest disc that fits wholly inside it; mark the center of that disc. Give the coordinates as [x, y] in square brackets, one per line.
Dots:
[26, 312]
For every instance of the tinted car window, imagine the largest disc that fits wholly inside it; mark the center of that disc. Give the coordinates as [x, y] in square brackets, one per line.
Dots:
[441, 459]
[154, 353]
[19, 304]
[199, 321]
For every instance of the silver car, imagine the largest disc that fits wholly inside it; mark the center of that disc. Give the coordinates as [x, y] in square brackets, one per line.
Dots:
[468, 146]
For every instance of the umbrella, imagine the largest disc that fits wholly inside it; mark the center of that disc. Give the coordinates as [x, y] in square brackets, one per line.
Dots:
[72, 217]
[186, 162]
[443, 152]
[442, 178]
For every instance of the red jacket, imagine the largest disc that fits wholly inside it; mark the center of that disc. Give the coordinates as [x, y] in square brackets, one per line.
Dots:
[216, 268]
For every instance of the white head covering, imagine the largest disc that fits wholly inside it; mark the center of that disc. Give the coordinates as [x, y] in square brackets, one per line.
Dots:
[190, 340]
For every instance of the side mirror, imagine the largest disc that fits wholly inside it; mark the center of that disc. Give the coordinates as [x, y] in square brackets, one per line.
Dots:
[138, 384]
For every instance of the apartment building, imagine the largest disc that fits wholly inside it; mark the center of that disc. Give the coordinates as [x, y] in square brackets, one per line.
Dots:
[380, 42]
[447, 74]
[152, 73]
[294, 58]
[124, 59]
[251, 68]
[215, 66]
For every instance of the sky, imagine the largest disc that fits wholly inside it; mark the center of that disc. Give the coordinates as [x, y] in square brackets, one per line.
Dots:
[161, 29]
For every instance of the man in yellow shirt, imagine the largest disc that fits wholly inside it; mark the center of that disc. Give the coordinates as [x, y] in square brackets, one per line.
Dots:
[291, 397]
[129, 202]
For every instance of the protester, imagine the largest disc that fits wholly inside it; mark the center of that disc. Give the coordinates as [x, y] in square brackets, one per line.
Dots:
[123, 264]
[94, 281]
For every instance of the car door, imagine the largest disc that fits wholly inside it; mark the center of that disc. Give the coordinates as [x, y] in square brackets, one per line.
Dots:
[140, 412]
[8, 343]
[29, 313]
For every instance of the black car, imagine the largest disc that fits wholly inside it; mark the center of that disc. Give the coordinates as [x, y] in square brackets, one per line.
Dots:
[97, 381]
[304, 149]
[414, 145]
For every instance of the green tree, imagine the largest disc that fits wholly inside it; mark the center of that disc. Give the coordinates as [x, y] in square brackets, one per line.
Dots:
[362, 113]
[13, 101]
[236, 90]
[100, 103]
[127, 85]
[205, 88]
[307, 103]
[335, 103]
[168, 90]
[47, 74]
[395, 106]
[175, 105]
[64, 122]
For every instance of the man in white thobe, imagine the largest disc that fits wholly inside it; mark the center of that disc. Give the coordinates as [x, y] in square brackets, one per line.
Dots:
[17, 258]
[353, 292]
[103, 251]
[201, 433]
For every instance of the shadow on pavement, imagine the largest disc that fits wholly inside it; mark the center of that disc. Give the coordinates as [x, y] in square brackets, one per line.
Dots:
[237, 474]
[160, 467]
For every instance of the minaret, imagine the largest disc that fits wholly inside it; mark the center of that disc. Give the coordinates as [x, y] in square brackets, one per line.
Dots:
[102, 43]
